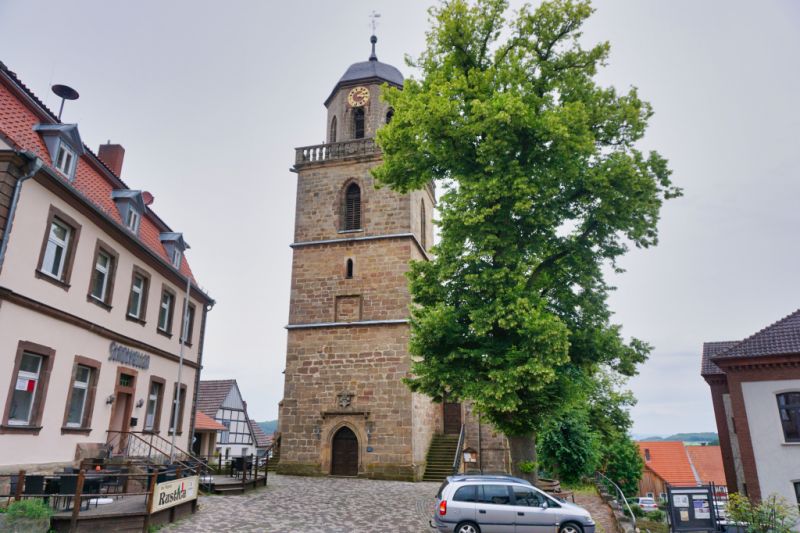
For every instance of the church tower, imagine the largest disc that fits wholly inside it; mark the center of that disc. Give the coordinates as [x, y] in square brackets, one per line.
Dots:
[345, 409]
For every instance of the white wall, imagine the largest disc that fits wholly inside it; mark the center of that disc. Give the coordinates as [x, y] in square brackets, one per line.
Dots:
[18, 323]
[777, 462]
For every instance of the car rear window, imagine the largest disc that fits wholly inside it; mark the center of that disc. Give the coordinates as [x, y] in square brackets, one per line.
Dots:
[441, 488]
[466, 494]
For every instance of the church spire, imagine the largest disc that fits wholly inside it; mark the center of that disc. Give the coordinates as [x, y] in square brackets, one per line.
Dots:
[372, 56]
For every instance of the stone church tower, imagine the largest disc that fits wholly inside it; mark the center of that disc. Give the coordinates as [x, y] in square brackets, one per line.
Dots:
[345, 409]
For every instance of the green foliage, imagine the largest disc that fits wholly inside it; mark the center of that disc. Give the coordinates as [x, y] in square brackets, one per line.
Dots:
[568, 448]
[543, 186]
[33, 509]
[623, 464]
[528, 466]
[635, 509]
[653, 526]
[772, 514]
[657, 516]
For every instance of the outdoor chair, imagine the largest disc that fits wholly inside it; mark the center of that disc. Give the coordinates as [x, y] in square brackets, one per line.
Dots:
[112, 483]
[33, 485]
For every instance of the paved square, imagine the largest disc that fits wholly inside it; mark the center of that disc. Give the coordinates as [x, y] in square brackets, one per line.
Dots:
[293, 504]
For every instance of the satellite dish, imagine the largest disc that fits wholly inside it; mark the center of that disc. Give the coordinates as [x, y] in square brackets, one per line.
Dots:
[65, 92]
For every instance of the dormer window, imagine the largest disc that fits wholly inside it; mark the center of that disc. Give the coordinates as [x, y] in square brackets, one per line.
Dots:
[176, 258]
[132, 221]
[64, 159]
[174, 245]
[130, 205]
[64, 145]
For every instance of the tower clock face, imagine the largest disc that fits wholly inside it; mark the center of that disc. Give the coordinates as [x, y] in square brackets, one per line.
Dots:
[357, 97]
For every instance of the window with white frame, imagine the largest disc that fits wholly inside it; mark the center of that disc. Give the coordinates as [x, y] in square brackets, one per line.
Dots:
[176, 258]
[80, 391]
[165, 312]
[102, 274]
[55, 254]
[133, 220]
[153, 405]
[136, 301]
[25, 389]
[64, 160]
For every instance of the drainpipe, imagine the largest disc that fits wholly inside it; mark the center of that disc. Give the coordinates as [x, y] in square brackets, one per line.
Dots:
[33, 167]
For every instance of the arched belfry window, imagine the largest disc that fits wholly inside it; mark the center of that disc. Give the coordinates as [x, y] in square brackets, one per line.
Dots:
[389, 115]
[358, 122]
[423, 228]
[333, 129]
[352, 207]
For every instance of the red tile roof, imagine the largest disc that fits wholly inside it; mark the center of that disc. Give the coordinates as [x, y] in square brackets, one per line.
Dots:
[203, 422]
[93, 179]
[262, 439]
[707, 461]
[669, 461]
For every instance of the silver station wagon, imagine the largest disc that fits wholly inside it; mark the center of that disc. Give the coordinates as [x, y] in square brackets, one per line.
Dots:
[504, 504]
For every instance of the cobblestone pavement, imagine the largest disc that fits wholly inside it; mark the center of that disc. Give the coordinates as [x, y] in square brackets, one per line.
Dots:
[291, 504]
[600, 511]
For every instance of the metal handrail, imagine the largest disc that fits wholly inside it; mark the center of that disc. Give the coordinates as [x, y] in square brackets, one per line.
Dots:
[457, 459]
[621, 495]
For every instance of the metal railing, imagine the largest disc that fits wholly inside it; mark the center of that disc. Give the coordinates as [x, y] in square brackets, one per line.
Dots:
[601, 478]
[459, 447]
[332, 151]
[150, 449]
[68, 494]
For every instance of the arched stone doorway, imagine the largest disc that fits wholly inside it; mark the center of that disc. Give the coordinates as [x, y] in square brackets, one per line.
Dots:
[344, 453]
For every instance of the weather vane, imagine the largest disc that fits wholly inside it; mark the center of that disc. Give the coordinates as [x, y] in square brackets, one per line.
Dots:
[374, 16]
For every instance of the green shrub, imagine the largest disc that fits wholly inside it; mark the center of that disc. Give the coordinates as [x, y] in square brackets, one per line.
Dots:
[637, 511]
[33, 508]
[772, 514]
[656, 516]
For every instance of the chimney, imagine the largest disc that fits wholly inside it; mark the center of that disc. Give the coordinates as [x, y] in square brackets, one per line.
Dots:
[112, 155]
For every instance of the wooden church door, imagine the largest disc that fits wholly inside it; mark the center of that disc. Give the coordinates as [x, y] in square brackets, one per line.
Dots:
[344, 453]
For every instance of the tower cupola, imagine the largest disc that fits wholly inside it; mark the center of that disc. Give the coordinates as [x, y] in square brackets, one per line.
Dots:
[354, 107]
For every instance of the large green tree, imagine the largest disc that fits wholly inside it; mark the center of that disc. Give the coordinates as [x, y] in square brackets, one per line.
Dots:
[543, 186]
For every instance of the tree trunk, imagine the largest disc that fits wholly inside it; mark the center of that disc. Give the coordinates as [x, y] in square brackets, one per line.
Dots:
[523, 450]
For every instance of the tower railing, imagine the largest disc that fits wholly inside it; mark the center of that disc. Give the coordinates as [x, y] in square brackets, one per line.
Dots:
[333, 151]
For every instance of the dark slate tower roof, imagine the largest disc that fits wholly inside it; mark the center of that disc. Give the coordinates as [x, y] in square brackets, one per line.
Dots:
[369, 71]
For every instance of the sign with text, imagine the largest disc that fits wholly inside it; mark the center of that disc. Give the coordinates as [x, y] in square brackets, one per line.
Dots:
[128, 356]
[691, 508]
[171, 493]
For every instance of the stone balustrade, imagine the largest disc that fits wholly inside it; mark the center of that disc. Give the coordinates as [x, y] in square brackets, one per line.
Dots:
[333, 151]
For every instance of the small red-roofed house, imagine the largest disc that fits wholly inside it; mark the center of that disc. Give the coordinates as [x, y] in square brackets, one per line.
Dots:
[205, 429]
[707, 463]
[665, 463]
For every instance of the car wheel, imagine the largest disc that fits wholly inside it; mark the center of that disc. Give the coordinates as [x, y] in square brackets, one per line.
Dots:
[467, 527]
[570, 527]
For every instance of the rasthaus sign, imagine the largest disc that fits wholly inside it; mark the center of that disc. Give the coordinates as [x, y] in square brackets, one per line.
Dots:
[171, 493]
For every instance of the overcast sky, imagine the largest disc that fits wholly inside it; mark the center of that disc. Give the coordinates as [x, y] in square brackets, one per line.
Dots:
[210, 99]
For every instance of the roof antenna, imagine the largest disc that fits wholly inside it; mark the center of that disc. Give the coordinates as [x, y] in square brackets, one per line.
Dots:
[66, 93]
[374, 16]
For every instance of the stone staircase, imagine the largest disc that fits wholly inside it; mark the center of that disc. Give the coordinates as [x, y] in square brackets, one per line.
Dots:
[439, 462]
[275, 459]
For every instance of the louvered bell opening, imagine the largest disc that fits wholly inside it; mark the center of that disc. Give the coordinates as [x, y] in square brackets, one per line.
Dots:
[352, 215]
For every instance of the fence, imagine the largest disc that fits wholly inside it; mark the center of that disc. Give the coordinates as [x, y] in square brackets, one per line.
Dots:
[109, 490]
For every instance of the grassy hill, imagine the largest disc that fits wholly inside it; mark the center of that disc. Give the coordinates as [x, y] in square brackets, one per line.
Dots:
[269, 426]
[689, 438]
